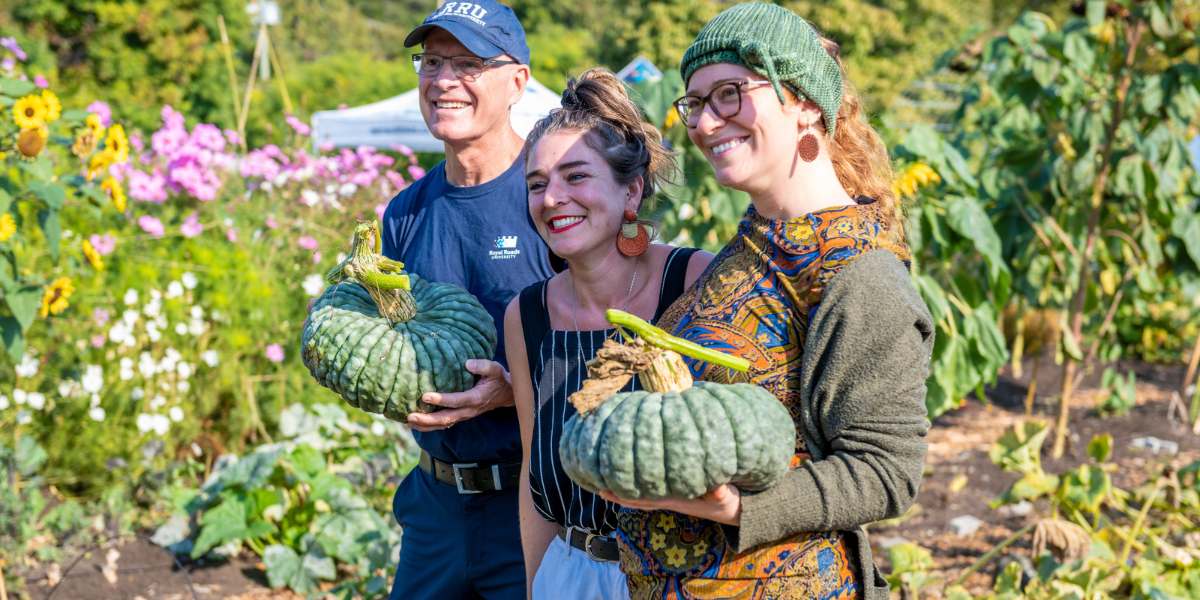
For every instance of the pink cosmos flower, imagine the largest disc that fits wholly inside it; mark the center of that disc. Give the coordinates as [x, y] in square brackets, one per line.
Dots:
[172, 119]
[307, 242]
[379, 209]
[100, 316]
[208, 137]
[317, 257]
[100, 109]
[299, 126]
[135, 142]
[104, 244]
[231, 235]
[271, 222]
[416, 172]
[151, 225]
[8, 64]
[148, 187]
[98, 340]
[40, 81]
[11, 45]
[191, 226]
[274, 353]
[168, 140]
[232, 136]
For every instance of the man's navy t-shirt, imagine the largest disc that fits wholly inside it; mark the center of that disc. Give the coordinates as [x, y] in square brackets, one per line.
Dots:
[479, 238]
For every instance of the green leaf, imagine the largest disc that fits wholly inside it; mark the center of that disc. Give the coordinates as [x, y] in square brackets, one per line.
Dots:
[308, 460]
[14, 339]
[5, 201]
[15, 87]
[1078, 50]
[226, 522]
[1186, 227]
[53, 194]
[23, 301]
[285, 568]
[29, 456]
[1100, 447]
[1070, 345]
[1160, 22]
[40, 168]
[1020, 448]
[252, 470]
[52, 229]
[966, 216]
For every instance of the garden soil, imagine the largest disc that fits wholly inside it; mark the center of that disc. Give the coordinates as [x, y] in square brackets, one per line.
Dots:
[960, 481]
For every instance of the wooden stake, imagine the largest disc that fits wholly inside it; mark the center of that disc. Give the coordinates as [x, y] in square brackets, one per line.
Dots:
[1031, 394]
[227, 50]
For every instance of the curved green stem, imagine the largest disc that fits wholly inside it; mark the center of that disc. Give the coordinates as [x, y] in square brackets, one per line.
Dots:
[385, 281]
[666, 341]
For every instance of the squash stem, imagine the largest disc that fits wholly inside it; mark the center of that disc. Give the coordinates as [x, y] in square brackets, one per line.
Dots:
[382, 277]
[666, 341]
[666, 373]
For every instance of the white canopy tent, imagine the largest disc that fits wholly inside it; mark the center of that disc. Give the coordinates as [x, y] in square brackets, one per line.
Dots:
[398, 120]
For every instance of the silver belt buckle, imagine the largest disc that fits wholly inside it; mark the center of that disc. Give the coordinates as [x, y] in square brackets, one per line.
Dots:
[458, 480]
[588, 538]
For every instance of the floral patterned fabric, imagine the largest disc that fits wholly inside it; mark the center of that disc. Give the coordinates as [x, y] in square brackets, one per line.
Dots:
[755, 300]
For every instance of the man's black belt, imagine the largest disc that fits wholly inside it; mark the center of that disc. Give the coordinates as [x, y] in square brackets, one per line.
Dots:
[472, 478]
[598, 547]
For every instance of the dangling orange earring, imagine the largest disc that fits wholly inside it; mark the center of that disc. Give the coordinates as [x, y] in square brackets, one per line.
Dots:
[634, 237]
[809, 147]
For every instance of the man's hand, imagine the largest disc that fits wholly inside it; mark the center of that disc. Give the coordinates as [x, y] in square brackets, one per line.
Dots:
[493, 390]
[723, 505]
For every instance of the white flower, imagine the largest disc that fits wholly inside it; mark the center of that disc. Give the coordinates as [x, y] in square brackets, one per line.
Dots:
[137, 393]
[377, 428]
[216, 314]
[313, 284]
[330, 188]
[144, 422]
[184, 369]
[3, 402]
[309, 197]
[153, 333]
[175, 413]
[686, 211]
[24, 418]
[147, 366]
[28, 367]
[130, 317]
[196, 327]
[67, 388]
[96, 413]
[93, 379]
[197, 312]
[153, 308]
[181, 328]
[126, 368]
[131, 297]
[189, 280]
[210, 357]
[19, 396]
[36, 400]
[155, 295]
[161, 321]
[119, 333]
[174, 289]
[348, 189]
[95, 400]
[157, 402]
[183, 387]
[161, 424]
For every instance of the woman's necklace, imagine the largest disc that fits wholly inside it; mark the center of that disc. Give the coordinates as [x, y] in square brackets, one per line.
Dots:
[579, 307]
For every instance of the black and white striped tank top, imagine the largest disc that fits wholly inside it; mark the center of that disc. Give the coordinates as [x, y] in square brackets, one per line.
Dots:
[556, 368]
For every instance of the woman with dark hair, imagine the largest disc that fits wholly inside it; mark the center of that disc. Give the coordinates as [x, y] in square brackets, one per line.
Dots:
[814, 291]
[590, 168]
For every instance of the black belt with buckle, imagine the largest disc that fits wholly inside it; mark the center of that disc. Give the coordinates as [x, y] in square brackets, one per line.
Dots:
[472, 478]
[598, 547]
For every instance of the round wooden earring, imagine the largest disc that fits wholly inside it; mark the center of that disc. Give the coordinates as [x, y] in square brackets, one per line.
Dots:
[634, 237]
[809, 147]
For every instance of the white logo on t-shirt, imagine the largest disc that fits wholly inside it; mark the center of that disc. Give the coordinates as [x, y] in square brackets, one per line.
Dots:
[506, 248]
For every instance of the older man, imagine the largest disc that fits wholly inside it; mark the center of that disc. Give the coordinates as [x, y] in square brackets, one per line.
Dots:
[466, 222]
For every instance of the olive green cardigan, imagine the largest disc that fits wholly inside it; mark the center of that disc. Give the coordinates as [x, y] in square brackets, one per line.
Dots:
[862, 382]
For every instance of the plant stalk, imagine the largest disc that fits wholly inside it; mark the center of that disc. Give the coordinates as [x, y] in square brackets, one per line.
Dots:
[666, 341]
[227, 51]
[1188, 379]
[990, 554]
[1096, 205]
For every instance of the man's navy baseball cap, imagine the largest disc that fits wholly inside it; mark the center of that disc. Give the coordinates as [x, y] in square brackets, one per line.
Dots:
[487, 28]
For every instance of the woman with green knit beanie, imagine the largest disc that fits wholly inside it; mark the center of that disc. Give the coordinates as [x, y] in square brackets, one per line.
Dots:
[814, 291]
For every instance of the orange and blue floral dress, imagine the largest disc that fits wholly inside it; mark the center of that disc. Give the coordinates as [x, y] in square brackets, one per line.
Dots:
[755, 301]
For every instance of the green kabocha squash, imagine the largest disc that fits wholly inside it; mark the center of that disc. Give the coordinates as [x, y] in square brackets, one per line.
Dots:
[675, 439]
[381, 338]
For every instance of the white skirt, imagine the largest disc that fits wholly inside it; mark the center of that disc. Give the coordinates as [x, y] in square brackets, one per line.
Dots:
[568, 572]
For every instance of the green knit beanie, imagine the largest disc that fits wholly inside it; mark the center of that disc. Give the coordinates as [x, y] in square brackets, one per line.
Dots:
[775, 43]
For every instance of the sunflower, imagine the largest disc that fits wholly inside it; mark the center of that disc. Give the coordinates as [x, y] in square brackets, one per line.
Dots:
[55, 299]
[114, 189]
[117, 143]
[8, 227]
[30, 142]
[94, 125]
[53, 106]
[85, 143]
[100, 163]
[30, 112]
[92, 256]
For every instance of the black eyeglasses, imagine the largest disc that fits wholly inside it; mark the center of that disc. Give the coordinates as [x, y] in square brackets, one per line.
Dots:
[465, 67]
[725, 100]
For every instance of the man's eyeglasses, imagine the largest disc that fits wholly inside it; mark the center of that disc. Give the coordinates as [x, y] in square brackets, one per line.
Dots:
[465, 67]
[725, 100]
